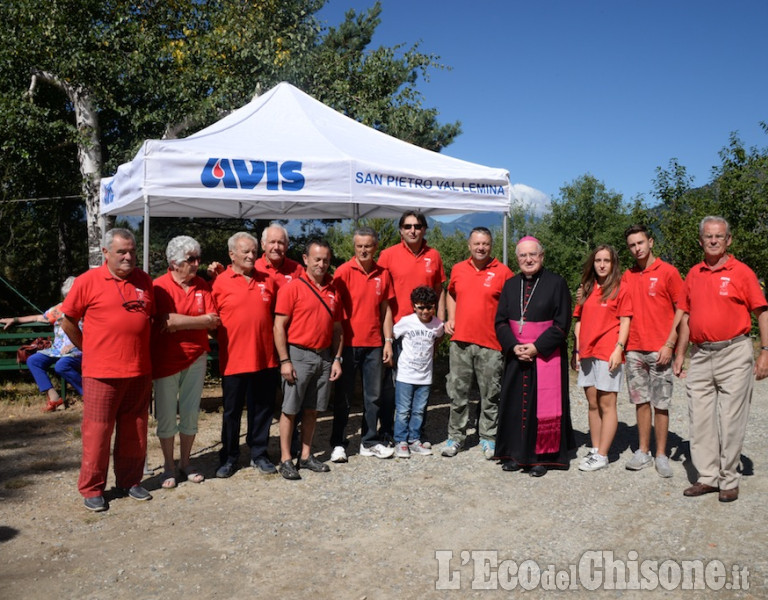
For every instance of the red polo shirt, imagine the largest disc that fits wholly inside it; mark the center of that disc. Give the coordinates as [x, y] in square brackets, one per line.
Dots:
[309, 323]
[361, 295]
[173, 352]
[409, 271]
[477, 295]
[289, 270]
[655, 291]
[719, 301]
[115, 340]
[599, 319]
[245, 307]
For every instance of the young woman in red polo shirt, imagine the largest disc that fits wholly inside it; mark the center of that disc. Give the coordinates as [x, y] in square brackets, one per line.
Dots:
[602, 315]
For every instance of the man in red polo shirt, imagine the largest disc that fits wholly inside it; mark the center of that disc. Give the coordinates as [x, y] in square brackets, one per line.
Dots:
[115, 303]
[654, 286]
[364, 292]
[245, 300]
[273, 261]
[472, 300]
[309, 341]
[718, 296]
[411, 263]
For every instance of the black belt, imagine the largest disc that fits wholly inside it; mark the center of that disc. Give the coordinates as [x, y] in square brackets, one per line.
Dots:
[723, 344]
[315, 350]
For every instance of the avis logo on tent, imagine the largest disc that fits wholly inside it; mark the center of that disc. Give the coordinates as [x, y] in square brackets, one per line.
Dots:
[109, 193]
[236, 173]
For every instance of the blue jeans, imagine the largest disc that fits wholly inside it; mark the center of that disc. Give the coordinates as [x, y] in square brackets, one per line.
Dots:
[367, 360]
[67, 367]
[410, 406]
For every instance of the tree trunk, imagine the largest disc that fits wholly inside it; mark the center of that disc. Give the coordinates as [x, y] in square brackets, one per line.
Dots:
[89, 156]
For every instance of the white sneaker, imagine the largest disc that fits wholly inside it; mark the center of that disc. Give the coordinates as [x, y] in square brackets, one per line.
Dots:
[402, 450]
[339, 455]
[418, 448]
[662, 466]
[593, 462]
[639, 460]
[378, 450]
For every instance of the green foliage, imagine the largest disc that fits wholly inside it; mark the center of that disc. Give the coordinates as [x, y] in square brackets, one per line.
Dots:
[165, 69]
[584, 216]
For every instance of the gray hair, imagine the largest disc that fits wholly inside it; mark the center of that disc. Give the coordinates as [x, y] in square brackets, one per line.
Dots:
[232, 242]
[67, 285]
[366, 232]
[179, 247]
[126, 234]
[713, 219]
[276, 225]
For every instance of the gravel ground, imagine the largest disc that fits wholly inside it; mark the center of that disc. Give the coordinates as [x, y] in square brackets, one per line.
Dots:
[376, 529]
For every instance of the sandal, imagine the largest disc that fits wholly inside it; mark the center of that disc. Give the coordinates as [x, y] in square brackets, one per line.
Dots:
[168, 480]
[193, 475]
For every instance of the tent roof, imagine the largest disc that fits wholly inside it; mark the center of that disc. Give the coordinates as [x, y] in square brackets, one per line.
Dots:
[286, 155]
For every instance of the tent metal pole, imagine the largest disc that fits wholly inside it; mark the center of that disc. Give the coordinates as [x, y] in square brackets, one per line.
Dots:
[145, 252]
[504, 247]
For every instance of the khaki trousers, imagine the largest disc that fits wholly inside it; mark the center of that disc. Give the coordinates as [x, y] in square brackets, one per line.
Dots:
[719, 385]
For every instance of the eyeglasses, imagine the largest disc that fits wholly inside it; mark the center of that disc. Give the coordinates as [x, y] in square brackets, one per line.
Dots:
[192, 259]
[424, 306]
[416, 226]
[130, 305]
[134, 305]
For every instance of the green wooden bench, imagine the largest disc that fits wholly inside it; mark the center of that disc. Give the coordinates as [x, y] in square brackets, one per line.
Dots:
[12, 339]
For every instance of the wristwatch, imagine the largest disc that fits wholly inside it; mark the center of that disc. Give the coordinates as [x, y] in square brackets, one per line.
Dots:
[339, 359]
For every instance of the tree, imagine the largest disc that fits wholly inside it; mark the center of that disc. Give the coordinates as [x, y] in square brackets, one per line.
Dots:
[741, 191]
[93, 79]
[584, 216]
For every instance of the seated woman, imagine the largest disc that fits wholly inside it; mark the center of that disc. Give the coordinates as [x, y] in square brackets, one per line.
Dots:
[62, 354]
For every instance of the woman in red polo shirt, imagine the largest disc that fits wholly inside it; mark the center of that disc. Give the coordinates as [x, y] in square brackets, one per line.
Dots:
[602, 315]
[179, 353]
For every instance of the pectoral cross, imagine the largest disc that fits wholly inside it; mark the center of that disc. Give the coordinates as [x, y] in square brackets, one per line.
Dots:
[520, 322]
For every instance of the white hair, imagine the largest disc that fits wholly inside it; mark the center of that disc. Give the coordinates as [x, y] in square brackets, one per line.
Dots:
[180, 247]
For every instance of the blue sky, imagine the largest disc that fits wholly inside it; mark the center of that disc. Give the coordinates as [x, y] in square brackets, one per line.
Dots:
[551, 90]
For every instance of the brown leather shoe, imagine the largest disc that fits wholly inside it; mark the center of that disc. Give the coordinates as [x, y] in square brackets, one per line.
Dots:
[729, 495]
[699, 489]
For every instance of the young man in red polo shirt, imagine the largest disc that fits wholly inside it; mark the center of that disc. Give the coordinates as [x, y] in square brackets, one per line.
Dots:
[472, 300]
[309, 341]
[364, 292]
[411, 263]
[654, 286]
[718, 296]
[116, 303]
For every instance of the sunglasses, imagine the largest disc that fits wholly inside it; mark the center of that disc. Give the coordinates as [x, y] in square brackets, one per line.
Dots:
[416, 226]
[424, 306]
[192, 259]
[134, 305]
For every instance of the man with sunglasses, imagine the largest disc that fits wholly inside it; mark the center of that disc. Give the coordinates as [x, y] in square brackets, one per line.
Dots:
[115, 302]
[411, 263]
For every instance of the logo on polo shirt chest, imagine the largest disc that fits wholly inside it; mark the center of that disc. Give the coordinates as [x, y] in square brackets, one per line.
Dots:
[428, 265]
[331, 299]
[265, 296]
[489, 279]
[199, 302]
[724, 281]
[652, 285]
[378, 285]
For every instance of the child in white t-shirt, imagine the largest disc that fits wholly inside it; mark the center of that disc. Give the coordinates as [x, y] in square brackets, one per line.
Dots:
[420, 332]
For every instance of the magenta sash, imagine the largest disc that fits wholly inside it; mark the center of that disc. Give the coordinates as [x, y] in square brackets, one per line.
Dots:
[549, 400]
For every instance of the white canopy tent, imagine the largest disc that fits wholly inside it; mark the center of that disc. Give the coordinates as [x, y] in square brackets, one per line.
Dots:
[285, 155]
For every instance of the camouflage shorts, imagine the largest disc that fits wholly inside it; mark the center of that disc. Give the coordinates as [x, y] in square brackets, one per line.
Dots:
[647, 381]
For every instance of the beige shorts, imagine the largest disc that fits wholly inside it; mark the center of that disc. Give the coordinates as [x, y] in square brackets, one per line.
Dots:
[647, 381]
